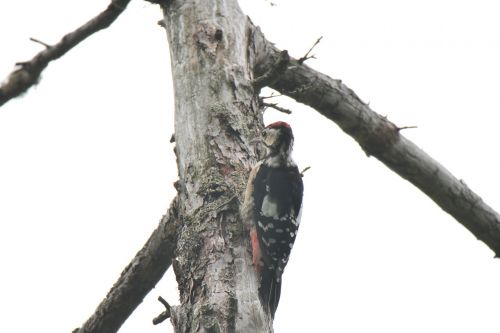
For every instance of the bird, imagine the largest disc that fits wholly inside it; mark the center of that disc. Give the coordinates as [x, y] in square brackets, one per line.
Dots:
[272, 208]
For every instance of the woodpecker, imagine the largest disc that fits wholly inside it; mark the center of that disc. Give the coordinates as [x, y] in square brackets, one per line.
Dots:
[273, 201]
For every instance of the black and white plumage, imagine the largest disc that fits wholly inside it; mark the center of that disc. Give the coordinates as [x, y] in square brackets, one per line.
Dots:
[273, 201]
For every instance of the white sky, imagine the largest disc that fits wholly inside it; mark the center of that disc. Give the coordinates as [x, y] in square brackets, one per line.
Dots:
[86, 169]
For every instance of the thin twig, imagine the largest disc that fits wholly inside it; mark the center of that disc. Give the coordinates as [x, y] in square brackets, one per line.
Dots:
[405, 127]
[271, 96]
[303, 171]
[276, 107]
[165, 314]
[306, 56]
[28, 73]
[40, 42]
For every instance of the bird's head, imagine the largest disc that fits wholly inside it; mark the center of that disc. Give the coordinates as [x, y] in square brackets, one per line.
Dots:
[278, 138]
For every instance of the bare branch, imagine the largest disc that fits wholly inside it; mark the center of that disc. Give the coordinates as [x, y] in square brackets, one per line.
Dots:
[276, 107]
[165, 314]
[273, 95]
[303, 171]
[39, 42]
[138, 278]
[406, 127]
[382, 139]
[28, 73]
[307, 56]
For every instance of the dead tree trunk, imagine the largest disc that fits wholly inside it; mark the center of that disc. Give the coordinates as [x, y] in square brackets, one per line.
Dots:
[215, 50]
[216, 118]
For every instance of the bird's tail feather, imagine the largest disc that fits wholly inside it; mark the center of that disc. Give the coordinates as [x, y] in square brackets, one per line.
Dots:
[270, 290]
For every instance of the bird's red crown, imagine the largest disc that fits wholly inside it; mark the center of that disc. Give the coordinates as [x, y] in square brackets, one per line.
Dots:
[278, 124]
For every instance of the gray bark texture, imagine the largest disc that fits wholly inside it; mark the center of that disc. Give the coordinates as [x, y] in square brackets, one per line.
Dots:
[217, 116]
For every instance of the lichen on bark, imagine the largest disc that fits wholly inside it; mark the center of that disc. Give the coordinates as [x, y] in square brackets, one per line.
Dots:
[217, 117]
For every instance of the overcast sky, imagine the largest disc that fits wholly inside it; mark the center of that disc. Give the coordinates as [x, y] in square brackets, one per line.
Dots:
[86, 167]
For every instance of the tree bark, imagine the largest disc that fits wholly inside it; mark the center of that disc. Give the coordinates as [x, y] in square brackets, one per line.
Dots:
[216, 118]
